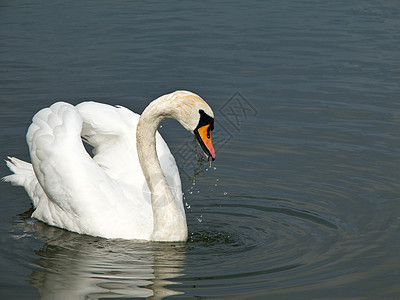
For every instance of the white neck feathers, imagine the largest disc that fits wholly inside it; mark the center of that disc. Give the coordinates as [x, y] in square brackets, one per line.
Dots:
[169, 223]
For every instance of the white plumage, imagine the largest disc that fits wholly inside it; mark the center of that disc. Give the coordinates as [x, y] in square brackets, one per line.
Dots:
[106, 195]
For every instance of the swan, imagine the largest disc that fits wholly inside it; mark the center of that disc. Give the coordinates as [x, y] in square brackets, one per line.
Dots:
[131, 187]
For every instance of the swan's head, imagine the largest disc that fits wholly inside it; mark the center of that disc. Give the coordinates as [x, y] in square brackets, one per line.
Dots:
[196, 116]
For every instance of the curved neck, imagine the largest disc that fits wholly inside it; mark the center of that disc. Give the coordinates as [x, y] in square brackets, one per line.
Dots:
[169, 223]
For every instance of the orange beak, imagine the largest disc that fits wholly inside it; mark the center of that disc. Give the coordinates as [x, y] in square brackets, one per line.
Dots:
[204, 137]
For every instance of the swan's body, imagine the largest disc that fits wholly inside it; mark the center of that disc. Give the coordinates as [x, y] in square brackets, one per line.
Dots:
[131, 187]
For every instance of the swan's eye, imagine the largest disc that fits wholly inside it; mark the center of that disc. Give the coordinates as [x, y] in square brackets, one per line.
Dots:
[205, 120]
[209, 129]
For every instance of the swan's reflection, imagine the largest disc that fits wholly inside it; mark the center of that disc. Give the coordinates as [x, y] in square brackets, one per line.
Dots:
[73, 266]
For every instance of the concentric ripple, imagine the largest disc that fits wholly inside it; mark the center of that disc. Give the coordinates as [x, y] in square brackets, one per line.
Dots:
[276, 244]
[238, 245]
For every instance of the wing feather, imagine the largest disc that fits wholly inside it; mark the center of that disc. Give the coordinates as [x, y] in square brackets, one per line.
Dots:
[99, 195]
[74, 183]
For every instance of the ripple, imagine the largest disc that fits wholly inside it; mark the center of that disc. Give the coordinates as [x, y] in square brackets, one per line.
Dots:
[209, 238]
[242, 242]
[265, 237]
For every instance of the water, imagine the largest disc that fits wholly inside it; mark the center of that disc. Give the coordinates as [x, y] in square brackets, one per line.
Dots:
[303, 199]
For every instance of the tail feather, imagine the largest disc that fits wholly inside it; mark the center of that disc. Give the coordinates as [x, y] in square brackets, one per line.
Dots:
[21, 169]
[24, 176]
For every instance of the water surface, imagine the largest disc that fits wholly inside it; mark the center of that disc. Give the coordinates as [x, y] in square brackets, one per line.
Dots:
[303, 199]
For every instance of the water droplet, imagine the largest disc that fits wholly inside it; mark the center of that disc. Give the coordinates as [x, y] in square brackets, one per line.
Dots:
[225, 193]
[215, 168]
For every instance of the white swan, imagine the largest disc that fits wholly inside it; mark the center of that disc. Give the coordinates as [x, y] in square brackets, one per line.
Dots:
[131, 187]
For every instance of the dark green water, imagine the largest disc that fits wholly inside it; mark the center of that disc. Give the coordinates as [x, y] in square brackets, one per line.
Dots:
[303, 200]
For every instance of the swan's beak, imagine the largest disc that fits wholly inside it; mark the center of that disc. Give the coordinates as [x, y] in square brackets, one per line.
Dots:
[203, 135]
